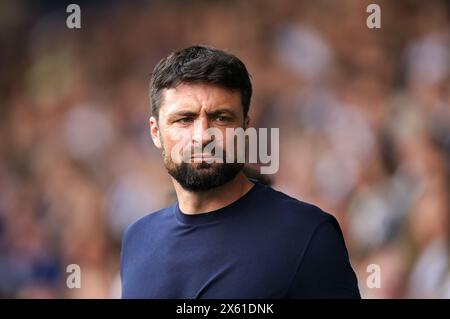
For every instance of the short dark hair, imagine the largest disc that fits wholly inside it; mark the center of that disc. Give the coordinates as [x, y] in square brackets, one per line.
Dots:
[200, 64]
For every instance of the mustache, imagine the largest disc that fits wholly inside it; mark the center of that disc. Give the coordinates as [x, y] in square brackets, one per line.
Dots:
[190, 153]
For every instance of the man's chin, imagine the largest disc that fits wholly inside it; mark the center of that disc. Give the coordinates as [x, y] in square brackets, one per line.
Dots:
[203, 176]
[203, 166]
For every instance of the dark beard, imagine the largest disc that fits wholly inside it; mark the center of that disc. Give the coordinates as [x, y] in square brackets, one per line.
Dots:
[203, 176]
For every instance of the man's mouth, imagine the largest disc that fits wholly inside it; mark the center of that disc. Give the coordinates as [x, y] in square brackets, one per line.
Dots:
[203, 156]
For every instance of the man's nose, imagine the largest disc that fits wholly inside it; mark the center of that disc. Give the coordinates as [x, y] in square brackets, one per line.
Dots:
[200, 135]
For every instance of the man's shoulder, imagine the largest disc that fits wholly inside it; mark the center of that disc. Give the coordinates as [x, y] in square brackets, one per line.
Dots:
[293, 209]
[148, 224]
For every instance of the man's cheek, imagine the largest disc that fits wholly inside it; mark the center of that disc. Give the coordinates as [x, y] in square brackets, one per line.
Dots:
[178, 142]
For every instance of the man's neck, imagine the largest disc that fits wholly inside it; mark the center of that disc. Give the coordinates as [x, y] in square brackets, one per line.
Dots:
[216, 198]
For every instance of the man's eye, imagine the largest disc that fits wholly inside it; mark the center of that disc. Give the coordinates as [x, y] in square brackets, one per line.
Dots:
[221, 118]
[185, 120]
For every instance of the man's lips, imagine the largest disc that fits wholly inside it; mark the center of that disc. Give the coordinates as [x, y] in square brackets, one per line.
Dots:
[204, 156]
[200, 158]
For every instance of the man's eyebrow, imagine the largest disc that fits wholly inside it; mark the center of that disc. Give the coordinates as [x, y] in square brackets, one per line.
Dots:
[221, 111]
[183, 113]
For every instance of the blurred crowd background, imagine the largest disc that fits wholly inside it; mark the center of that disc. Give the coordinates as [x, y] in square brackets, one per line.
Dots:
[364, 118]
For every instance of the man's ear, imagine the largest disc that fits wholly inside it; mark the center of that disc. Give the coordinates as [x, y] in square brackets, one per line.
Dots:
[154, 131]
[246, 122]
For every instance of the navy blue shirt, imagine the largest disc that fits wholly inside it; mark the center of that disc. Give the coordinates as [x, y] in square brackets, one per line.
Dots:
[264, 245]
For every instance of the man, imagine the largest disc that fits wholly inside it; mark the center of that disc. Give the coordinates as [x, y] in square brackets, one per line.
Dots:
[226, 236]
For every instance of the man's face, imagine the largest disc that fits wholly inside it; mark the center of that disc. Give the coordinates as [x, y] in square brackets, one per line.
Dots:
[186, 116]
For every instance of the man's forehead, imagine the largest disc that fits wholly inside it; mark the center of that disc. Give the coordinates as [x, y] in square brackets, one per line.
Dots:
[196, 96]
